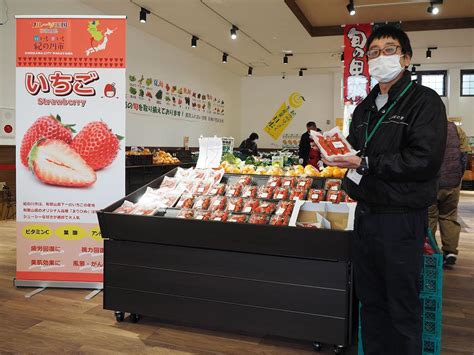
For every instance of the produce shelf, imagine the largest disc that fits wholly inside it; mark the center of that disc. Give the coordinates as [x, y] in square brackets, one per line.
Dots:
[254, 279]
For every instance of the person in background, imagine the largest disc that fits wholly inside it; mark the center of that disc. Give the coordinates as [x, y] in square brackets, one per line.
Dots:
[400, 131]
[314, 158]
[305, 145]
[249, 145]
[445, 210]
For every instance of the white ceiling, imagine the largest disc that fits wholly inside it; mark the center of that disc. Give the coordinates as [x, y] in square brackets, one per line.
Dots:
[272, 24]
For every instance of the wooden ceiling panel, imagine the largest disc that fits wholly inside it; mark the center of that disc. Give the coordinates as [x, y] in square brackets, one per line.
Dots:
[325, 17]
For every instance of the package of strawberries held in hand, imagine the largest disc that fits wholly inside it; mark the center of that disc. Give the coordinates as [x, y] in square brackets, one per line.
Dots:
[332, 143]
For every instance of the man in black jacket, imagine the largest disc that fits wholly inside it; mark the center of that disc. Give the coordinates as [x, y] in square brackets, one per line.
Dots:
[400, 130]
[305, 144]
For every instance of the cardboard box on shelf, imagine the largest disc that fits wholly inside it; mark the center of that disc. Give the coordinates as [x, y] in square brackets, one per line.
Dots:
[324, 215]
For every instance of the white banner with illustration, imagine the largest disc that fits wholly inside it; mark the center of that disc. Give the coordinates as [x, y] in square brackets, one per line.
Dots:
[70, 106]
[156, 97]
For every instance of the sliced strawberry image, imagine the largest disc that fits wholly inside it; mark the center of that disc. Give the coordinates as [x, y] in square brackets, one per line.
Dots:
[44, 127]
[55, 163]
[97, 144]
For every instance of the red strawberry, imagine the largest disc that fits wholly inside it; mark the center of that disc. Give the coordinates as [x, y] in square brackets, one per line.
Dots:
[44, 127]
[56, 163]
[97, 145]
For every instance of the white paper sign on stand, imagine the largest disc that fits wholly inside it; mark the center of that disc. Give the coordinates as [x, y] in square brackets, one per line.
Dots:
[210, 152]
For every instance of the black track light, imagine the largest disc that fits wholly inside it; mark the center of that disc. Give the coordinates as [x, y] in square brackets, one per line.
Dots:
[413, 70]
[194, 41]
[350, 8]
[342, 57]
[428, 52]
[224, 57]
[250, 71]
[301, 71]
[233, 32]
[285, 59]
[143, 13]
[433, 9]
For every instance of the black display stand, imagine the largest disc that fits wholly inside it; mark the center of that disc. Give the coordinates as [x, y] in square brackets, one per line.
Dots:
[254, 279]
[138, 175]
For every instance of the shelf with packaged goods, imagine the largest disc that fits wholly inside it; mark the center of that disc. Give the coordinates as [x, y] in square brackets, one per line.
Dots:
[257, 279]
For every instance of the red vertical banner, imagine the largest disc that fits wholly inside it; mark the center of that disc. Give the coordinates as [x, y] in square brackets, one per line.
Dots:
[356, 69]
[70, 161]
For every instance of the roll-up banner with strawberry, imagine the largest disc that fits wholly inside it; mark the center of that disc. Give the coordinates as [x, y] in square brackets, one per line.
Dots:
[70, 108]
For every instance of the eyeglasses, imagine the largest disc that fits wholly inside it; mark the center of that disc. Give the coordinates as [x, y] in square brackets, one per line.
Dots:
[375, 52]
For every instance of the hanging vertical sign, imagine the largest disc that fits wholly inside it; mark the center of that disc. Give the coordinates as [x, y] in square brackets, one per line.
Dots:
[356, 69]
[70, 127]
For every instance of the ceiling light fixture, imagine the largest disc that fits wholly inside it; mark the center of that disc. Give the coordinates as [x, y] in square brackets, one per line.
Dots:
[224, 57]
[250, 71]
[194, 41]
[283, 75]
[301, 71]
[143, 13]
[428, 52]
[233, 32]
[285, 59]
[342, 57]
[433, 9]
[350, 8]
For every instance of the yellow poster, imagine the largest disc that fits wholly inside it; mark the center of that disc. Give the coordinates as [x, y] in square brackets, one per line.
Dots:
[284, 115]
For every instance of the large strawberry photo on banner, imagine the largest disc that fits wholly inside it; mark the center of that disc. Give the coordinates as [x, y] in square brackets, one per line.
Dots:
[57, 158]
[44, 127]
[97, 144]
[55, 163]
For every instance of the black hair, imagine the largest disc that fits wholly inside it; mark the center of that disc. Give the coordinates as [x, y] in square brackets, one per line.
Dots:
[311, 124]
[388, 31]
[253, 136]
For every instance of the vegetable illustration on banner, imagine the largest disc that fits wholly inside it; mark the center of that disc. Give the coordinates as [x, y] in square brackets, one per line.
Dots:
[285, 114]
[70, 95]
[157, 97]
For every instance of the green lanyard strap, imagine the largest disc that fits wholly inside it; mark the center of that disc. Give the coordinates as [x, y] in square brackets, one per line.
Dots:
[368, 136]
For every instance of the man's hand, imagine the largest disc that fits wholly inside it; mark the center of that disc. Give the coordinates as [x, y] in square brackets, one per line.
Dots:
[345, 162]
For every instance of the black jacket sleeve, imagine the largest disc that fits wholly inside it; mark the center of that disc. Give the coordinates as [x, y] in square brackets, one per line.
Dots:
[423, 154]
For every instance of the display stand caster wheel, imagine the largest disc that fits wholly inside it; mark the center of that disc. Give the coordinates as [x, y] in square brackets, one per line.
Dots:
[338, 349]
[119, 316]
[134, 318]
[317, 346]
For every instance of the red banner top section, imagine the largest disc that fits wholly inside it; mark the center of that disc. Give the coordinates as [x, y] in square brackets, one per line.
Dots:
[356, 69]
[71, 42]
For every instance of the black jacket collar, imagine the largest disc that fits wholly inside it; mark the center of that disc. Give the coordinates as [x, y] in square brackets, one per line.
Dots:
[393, 93]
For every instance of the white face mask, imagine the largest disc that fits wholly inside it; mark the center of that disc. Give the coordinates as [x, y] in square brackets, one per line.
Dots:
[385, 68]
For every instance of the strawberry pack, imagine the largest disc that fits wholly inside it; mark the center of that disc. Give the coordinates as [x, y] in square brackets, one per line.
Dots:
[332, 143]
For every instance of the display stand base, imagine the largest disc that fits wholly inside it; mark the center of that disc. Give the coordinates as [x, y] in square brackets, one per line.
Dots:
[96, 286]
[93, 294]
[35, 292]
